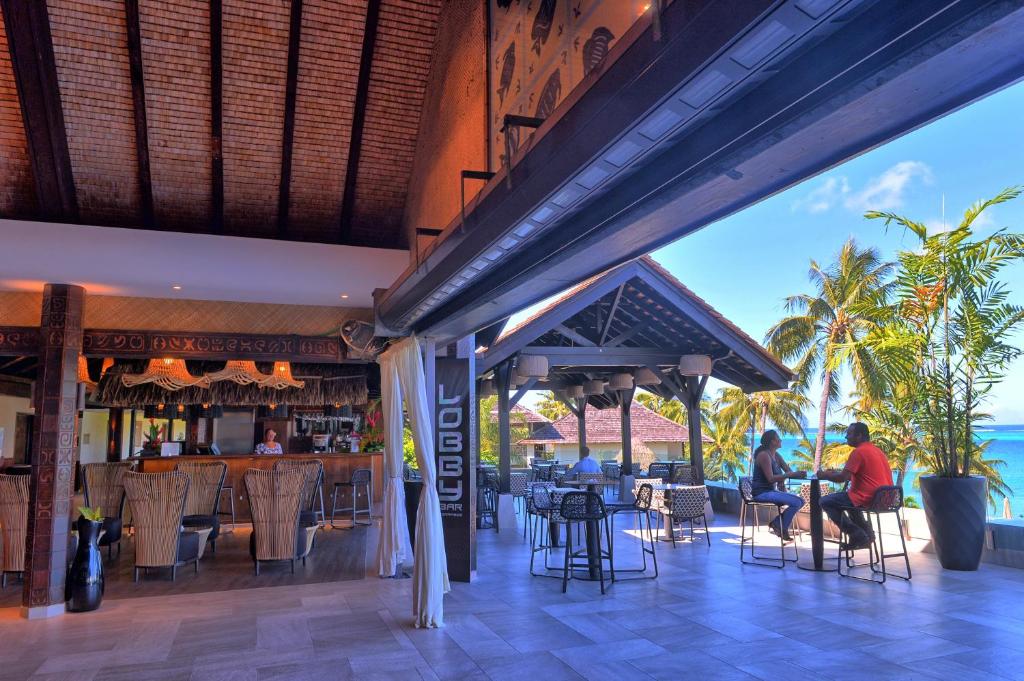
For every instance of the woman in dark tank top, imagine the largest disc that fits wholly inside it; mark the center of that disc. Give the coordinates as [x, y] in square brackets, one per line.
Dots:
[766, 482]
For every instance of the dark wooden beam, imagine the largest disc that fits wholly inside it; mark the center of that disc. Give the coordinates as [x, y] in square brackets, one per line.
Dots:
[348, 200]
[574, 336]
[525, 388]
[570, 404]
[604, 357]
[35, 75]
[503, 383]
[12, 362]
[19, 340]
[625, 404]
[131, 12]
[626, 335]
[212, 346]
[611, 315]
[288, 136]
[217, 115]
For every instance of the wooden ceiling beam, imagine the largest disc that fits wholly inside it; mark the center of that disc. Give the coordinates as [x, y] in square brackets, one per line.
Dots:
[288, 136]
[217, 115]
[134, 33]
[35, 72]
[348, 200]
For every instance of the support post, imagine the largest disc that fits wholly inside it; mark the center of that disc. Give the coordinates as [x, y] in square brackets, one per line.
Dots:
[625, 403]
[581, 422]
[115, 432]
[693, 387]
[55, 432]
[503, 377]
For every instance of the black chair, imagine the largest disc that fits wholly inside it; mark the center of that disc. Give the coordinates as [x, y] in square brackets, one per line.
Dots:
[486, 499]
[361, 480]
[748, 509]
[886, 500]
[583, 507]
[658, 470]
[641, 507]
[543, 511]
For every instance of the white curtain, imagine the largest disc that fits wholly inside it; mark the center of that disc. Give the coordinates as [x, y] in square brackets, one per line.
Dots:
[430, 567]
[393, 548]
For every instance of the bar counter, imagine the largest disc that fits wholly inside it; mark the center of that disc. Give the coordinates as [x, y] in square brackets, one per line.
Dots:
[337, 468]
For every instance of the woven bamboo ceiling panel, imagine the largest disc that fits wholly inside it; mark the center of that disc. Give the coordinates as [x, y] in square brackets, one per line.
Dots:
[132, 96]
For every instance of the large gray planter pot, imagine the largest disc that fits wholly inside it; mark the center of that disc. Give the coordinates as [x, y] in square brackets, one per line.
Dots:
[955, 510]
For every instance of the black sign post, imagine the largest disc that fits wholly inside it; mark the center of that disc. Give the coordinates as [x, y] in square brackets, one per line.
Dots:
[455, 418]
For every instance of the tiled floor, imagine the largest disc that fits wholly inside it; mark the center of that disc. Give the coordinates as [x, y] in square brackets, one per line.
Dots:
[704, 617]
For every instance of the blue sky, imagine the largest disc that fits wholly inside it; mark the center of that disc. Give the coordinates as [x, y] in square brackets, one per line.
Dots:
[746, 264]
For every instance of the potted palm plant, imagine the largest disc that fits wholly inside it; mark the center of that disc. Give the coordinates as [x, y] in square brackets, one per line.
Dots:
[947, 341]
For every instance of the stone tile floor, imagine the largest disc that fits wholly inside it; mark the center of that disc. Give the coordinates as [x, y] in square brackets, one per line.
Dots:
[706, 616]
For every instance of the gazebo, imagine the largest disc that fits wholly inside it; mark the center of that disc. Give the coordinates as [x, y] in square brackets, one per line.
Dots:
[632, 326]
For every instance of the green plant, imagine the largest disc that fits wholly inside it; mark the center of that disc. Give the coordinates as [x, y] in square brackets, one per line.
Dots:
[843, 310]
[726, 453]
[489, 444]
[670, 408]
[947, 334]
[783, 408]
[93, 514]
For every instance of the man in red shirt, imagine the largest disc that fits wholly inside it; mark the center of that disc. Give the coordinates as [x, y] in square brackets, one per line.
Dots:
[866, 470]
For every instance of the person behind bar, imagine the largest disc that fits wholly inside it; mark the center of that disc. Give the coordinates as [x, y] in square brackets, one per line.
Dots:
[269, 446]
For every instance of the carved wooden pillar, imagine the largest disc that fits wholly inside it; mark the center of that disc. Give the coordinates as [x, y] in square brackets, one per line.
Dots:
[55, 433]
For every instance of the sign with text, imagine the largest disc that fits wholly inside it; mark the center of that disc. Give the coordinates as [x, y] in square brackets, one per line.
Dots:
[455, 416]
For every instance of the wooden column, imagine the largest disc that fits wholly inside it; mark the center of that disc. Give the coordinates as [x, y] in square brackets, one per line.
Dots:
[55, 433]
[625, 402]
[693, 387]
[502, 379]
[115, 432]
[581, 422]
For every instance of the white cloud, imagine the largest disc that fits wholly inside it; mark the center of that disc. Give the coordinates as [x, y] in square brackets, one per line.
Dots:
[884, 192]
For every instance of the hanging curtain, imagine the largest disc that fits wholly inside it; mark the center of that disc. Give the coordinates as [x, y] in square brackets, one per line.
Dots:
[393, 547]
[430, 567]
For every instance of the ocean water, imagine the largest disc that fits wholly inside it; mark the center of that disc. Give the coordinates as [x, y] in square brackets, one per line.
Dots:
[1008, 445]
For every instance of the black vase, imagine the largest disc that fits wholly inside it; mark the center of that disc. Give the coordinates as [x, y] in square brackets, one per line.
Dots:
[955, 510]
[84, 587]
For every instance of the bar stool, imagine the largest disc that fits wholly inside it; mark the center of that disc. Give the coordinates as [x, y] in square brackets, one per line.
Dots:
[362, 478]
[487, 500]
[886, 500]
[749, 509]
[583, 507]
[641, 506]
[231, 497]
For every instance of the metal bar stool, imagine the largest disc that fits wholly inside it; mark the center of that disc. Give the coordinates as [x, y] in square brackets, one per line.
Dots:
[749, 509]
[886, 500]
[641, 506]
[362, 479]
[584, 507]
[231, 497]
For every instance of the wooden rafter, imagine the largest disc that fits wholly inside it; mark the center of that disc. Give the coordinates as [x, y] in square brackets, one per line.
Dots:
[348, 201]
[35, 73]
[611, 314]
[217, 114]
[131, 10]
[288, 136]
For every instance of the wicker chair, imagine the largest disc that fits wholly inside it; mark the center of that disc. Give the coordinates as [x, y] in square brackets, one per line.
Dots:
[682, 474]
[13, 523]
[749, 516]
[517, 484]
[205, 482]
[157, 503]
[658, 470]
[103, 486]
[275, 500]
[312, 488]
[686, 505]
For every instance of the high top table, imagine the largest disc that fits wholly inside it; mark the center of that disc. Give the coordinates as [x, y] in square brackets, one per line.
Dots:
[817, 562]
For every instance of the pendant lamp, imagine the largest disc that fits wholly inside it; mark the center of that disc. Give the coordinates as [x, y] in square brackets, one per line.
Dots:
[620, 382]
[240, 371]
[532, 366]
[281, 377]
[574, 391]
[594, 387]
[169, 374]
[695, 365]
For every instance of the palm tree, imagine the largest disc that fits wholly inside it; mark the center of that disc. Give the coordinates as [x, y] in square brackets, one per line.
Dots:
[824, 331]
[726, 451]
[670, 408]
[784, 408]
[550, 407]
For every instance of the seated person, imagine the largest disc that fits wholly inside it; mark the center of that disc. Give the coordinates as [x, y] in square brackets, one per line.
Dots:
[770, 472]
[584, 465]
[866, 470]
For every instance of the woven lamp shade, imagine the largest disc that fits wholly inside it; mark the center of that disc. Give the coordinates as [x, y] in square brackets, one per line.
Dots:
[620, 382]
[594, 387]
[574, 391]
[107, 363]
[644, 376]
[695, 365]
[532, 366]
[169, 374]
[487, 388]
[281, 377]
[240, 371]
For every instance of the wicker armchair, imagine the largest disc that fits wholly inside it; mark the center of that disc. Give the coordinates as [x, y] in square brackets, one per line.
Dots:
[157, 503]
[13, 523]
[686, 505]
[103, 486]
[312, 487]
[205, 482]
[275, 500]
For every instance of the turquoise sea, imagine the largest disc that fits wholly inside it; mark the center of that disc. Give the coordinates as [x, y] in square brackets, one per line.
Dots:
[1008, 445]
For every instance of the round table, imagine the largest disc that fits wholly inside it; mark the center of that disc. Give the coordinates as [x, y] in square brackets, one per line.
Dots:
[817, 562]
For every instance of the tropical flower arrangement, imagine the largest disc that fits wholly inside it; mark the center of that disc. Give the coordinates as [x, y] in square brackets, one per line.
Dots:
[373, 435]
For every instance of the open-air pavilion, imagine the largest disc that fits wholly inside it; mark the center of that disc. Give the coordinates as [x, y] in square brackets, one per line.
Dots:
[634, 326]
